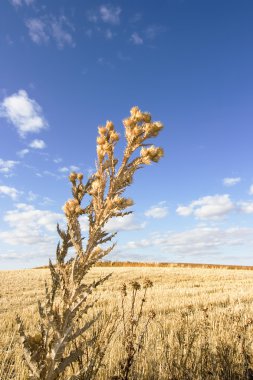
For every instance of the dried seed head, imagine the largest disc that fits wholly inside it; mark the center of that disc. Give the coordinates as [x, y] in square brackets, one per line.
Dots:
[134, 110]
[102, 131]
[72, 177]
[147, 284]
[80, 177]
[135, 285]
[152, 153]
[109, 125]
[152, 314]
[71, 207]
[114, 136]
[129, 122]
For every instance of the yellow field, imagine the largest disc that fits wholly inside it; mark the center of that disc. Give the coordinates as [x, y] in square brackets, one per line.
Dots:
[203, 327]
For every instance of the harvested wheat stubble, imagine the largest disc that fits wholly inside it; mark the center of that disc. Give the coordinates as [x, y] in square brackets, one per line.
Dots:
[187, 301]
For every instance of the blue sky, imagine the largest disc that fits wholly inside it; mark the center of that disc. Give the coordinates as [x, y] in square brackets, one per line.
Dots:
[68, 66]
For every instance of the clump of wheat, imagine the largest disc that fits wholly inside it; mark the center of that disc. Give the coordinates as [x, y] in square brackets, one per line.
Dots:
[55, 346]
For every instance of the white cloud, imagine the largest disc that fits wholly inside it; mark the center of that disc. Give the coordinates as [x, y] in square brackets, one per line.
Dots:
[68, 169]
[231, 181]
[31, 196]
[251, 190]
[30, 226]
[37, 144]
[110, 14]
[157, 212]
[106, 13]
[197, 241]
[42, 30]
[125, 223]
[136, 39]
[6, 166]
[209, 207]
[152, 31]
[57, 160]
[9, 192]
[23, 152]
[108, 34]
[59, 33]
[19, 3]
[24, 113]
[37, 30]
[246, 207]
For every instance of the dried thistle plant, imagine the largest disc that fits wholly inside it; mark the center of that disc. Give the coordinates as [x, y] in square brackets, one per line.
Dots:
[53, 349]
[135, 327]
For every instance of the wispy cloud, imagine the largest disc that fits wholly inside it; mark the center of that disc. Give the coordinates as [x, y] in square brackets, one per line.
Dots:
[251, 190]
[68, 169]
[105, 13]
[208, 207]
[110, 14]
[136, 39]
[42, 30]
[37, 144]
[20, 3]
[23, 112]
[9, 192]
[7, 166]
[153, 31]
[231, 181]
[22, 153]
[37, 30]
[197, 241]
[158, 211]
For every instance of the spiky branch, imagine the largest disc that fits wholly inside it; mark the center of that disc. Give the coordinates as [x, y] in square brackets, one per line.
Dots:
[50, 351]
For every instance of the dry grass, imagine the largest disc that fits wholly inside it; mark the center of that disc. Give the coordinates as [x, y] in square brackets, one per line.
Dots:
[202, 329]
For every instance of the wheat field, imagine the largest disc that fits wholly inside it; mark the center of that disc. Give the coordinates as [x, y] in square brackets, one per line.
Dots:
[202, 328]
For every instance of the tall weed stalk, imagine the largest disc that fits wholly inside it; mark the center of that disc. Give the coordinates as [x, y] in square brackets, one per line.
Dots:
[58, 345]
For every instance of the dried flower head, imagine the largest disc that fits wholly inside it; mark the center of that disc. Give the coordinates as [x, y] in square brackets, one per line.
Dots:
[135, 285]
[72, 177]
[80, 177]
[151, 154]
[71, 207]
[147, 283]
[152, 314]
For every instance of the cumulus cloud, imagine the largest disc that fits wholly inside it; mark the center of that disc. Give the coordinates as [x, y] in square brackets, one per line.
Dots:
[136, 39]
[208, 207]
[6, 166]
[42, 30]
[37, 144]
[197, 241]
[126, 223]
[246, 207]
[231, 181]
[29, 226]
[157, 212]
[9, 192]
[23, 112]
